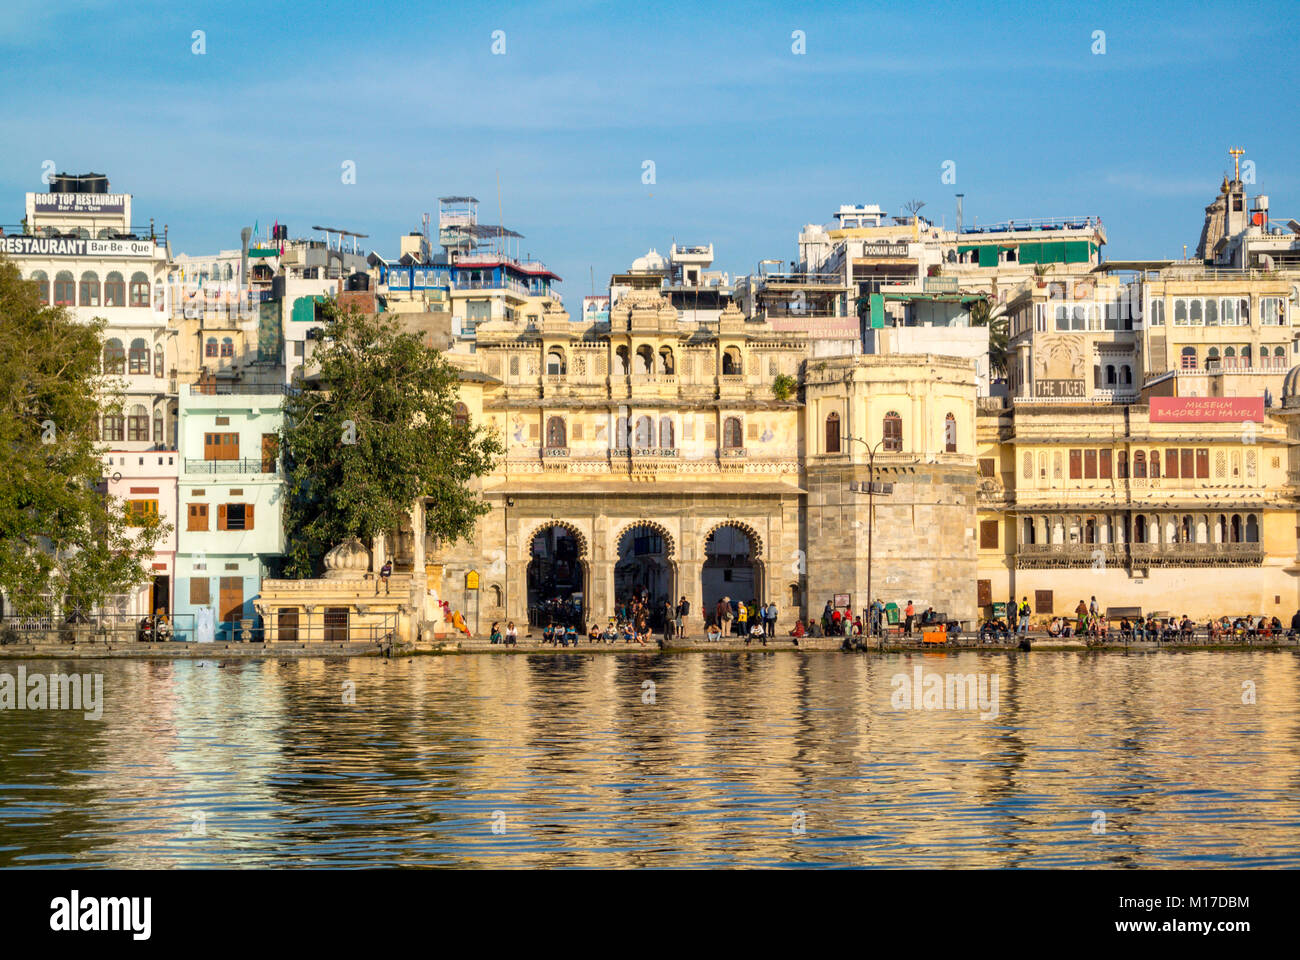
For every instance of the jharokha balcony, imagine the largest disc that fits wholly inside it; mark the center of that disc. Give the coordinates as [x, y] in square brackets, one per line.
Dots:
[1098, 555]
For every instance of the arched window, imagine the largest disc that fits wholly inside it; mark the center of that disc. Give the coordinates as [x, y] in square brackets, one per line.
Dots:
[113, 427]
[1245, 356]
[1252, 529]
[731, 365]
[1180, 313]
[1185, 528]
[645, 433]
[137, 423]
[555, 366]
[733, 437]
[555, 434]
[893, 429]
[114, 290]
[230, 273]
[1196, 317]
[1230, 357]
[1121, 465]
[227, 347]
[645, 359]
[950, 434]
[833, 433]
[158, 425]
[1111, 378]
[114, 357]
[1030, 533]
[1189, 358]
[1211, 313]
[158, 360]
[620, 434]
[1139, 465]
[1212, 359]
[666, 438]
[1127, 378]
[89, 289]
[1234, 529]
[42, 281]
[65, 289]
[139, 289]
[1155, 464]
[1140, 528]
[666, 364]
[138, 358]
[210, 348]
[514, 366]
[621, 362]
[460, 415]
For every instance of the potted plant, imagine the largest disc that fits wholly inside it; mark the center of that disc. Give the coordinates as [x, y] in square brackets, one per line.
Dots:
[1040, 271]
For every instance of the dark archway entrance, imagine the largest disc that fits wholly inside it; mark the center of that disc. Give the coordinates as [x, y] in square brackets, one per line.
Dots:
[556, 578]
[645, 571]
[730, 571]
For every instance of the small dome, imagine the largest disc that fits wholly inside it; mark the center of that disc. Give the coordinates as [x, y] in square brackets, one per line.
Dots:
[1291, 387]
[349, 559]
[652, 262]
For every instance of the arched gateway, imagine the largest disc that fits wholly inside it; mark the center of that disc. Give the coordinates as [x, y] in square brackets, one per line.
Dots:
[732, 567]
[557, 575]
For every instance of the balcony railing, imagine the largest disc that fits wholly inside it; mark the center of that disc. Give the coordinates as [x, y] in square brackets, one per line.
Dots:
[240, 388]
[229, 466]
[1102, 555]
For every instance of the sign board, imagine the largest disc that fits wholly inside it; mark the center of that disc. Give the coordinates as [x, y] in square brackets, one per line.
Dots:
[471, 580]
[1207, 409]
[884, 250]
[1060, 388]
[75, 247]
[818, 328]
[81, 202]
[1000, 610]
[841, 600]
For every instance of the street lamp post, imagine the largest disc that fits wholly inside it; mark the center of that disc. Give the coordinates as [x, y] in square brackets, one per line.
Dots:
[871, 509]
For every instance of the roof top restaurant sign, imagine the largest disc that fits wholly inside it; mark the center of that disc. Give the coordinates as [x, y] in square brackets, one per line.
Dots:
[819, 328]
[25, 246]
[81, 202]
[1207, 409]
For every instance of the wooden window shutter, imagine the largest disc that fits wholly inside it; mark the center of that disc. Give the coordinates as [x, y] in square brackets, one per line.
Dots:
[710, 430]
[752, 433]
[576, 431]
[988, 534]
[248, 516]
[1105, 464]
[221, 516]
[199, 591]
[983, 593]
[1076, 464]
[1043, 601]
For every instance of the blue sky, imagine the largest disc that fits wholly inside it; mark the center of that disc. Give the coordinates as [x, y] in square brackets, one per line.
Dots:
[749, 140]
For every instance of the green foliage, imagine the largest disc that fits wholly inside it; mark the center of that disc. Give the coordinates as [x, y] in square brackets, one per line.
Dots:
[981, 315]
[784, 386]
[61, 536]
[376, 433]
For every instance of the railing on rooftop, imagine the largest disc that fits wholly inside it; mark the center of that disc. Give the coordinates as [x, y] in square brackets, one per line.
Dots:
[139, 232]
[221, 389]
[230, 466]
[1036, 223]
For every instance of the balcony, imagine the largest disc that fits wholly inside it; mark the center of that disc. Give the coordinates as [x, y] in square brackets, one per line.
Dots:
[1099, 556]
[732, 453]
[229, 466]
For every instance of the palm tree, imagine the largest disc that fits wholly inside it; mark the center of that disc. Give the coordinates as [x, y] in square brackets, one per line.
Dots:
[984, 314]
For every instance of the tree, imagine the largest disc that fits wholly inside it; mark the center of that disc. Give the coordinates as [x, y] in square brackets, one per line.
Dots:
[64, 541]
[982, 314]
[377, 432]
[784, 387]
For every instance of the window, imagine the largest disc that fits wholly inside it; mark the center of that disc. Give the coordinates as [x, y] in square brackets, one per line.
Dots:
[227, 347]
[555, 366]
[1203, 463]
[1171, 464]
[621, 429]
[621, 362]
[460, 415]
[270, 451]
[200, 591]
[196, 516]
[1180, 313]
[138, 359]
[645, 433]
[158, 425]
[988, 466]
[158, 360]
[1090, 464]
[1157, 312]
[1076, 464]
[1211, 313]
[42, 281]
[1195, 316]
[1111, 379]
[666, 364]
[140, 511]
[89, 289]
[833, 433]
[114, 357]
[1155, 464]
[1139, 465]
[988, 534]
[1271, 311]
[950, 434]
[1121, 465]
[139, 290]
[1104, 464]
[893, 431]
[555, 433]
[1062, 318]
[1186, 469]
[137, 423]
[646, 359]
[221, 446]
[210, 347]
[731, 365]
[732, 434]
[114, 290]
[235, 516]
[1189, 358]
[666, 439]
[65, 289]
[1245, 357]
[114, 427]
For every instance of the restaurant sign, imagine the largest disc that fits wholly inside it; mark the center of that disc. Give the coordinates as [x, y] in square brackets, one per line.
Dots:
[1207, 409]
[25, 246]
[818, 328]
[1060, 388]
[81, 202]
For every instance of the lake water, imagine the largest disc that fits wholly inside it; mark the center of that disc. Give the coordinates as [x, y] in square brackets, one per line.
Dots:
[1092, 759]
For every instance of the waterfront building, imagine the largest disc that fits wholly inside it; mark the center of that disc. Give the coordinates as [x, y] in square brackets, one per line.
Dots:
[230, 491]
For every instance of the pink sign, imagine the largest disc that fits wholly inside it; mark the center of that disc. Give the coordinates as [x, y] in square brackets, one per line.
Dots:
[1207, 409]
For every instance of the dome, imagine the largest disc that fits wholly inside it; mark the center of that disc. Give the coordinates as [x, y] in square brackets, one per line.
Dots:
[350, 559]
[652, 262]
[1291, 388]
